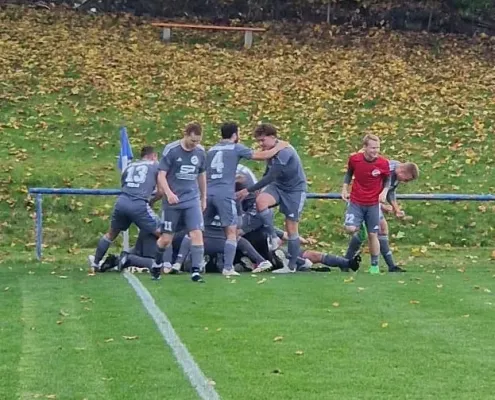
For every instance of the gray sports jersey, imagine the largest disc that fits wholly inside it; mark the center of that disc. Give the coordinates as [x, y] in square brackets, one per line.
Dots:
[394, 182]
[183, 168]
[139, 179]
[214, 229]
[293, 178]
[221, 165]
[249, 179]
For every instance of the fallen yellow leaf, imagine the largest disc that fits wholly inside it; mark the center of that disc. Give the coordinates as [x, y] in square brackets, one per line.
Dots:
[278, 338]
[299, 352]
[335, 304]
[414, 302]
[108, 340]
[130, 337]
[385, 325]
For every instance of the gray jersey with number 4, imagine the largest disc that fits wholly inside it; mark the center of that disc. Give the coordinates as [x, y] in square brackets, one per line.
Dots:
[183, 168]
[221, 166]
[292, 179]
[139, 179]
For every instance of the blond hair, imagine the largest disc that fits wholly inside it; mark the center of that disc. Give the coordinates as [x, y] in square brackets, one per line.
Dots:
[370, 137]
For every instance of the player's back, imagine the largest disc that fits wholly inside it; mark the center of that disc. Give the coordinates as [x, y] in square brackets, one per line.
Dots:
[214, 230]
[183, 168]
[221, 166]
[139, 179]
[292, 178]
[247, 179]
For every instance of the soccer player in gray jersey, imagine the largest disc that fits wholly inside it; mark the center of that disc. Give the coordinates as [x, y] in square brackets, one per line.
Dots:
[182, 180]
[138, 183]
[399, 172]
[221, 166]
[285, 183]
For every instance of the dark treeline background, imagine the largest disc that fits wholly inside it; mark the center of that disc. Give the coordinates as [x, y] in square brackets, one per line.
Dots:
[453, 16]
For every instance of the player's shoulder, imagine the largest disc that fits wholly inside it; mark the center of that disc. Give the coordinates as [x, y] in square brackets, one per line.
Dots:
[356, 156]
[200, 149]
[171, 147]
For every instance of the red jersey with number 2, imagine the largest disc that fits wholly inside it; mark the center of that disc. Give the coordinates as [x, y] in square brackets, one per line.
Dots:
[368, 178]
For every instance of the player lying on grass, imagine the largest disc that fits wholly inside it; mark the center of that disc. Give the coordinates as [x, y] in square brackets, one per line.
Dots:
[138, 182]
[214, 239]
[400, 172]
[221, 164]
[370, 186]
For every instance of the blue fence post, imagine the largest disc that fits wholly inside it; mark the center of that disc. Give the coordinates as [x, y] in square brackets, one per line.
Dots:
[39, 226]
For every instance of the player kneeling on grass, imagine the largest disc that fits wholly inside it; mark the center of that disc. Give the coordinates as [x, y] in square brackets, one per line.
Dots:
[399, 172]
[133, 204]
[371, 183]
[214, 244]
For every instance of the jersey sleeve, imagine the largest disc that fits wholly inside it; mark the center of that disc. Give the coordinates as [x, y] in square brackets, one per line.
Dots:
[243, 151]
[386, 167]
[165, 162]
[283, 157]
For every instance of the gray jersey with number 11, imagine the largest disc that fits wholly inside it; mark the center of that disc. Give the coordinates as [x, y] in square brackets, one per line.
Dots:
[221, 166]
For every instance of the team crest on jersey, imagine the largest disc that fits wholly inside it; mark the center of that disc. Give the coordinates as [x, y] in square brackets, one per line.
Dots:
[194, 160]
[375, 172]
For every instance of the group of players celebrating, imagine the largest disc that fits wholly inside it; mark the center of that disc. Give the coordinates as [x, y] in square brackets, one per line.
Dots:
[213, 206]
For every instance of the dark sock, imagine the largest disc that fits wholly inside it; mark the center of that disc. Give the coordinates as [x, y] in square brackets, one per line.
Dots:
[140, 262]
[229, 250]
[266, 217]
[159, 254]
[294, 248]
[386, 252]
[334, 261]
[374, 260]
[185, 248]
[197, 253]
[354, 246]
[101, 249]
[249, 251]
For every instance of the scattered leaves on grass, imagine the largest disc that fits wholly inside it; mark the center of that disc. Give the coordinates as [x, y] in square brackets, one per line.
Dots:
[6, 289]
[261, 281]
[130, 337]
[335, 304]
[384, 324]
[63, 313]
[299, 353]
[414, 302]
[108, 340]
[278, 338]
[349, 280]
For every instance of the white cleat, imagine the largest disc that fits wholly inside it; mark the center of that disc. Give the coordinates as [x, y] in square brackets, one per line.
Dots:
[93, 267]
[166, 267]
[176, 268]
[284, 270]
[306, 266]
[230, 272]
[263, 266]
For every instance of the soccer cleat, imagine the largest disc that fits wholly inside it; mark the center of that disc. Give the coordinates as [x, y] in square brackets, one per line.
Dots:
[176, 268]
[196, 277]
[156, 271]
[263, 266]
[230, 272]
[123, 260]
[93, 267]
[395, 268]
[374, 270]
[284, 270]
[354, 264]
[280, 254]
[167, 267]
[306, 266]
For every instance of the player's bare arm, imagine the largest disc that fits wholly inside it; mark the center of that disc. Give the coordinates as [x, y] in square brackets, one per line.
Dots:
[267, 154]
[202, 189]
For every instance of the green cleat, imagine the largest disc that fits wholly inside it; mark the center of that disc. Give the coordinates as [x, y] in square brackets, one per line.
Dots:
[363, 233]
[374, 270]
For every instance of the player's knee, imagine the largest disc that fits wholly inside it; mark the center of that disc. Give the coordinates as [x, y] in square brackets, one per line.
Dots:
[351, 229]
[196, 237]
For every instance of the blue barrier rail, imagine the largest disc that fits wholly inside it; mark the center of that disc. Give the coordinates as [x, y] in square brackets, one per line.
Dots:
[39, 192]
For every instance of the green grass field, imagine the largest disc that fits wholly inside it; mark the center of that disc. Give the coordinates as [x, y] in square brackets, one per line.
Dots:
[425, 334]
[69, 81]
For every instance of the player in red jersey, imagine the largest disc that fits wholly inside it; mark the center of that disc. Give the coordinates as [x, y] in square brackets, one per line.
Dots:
[370, 187]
